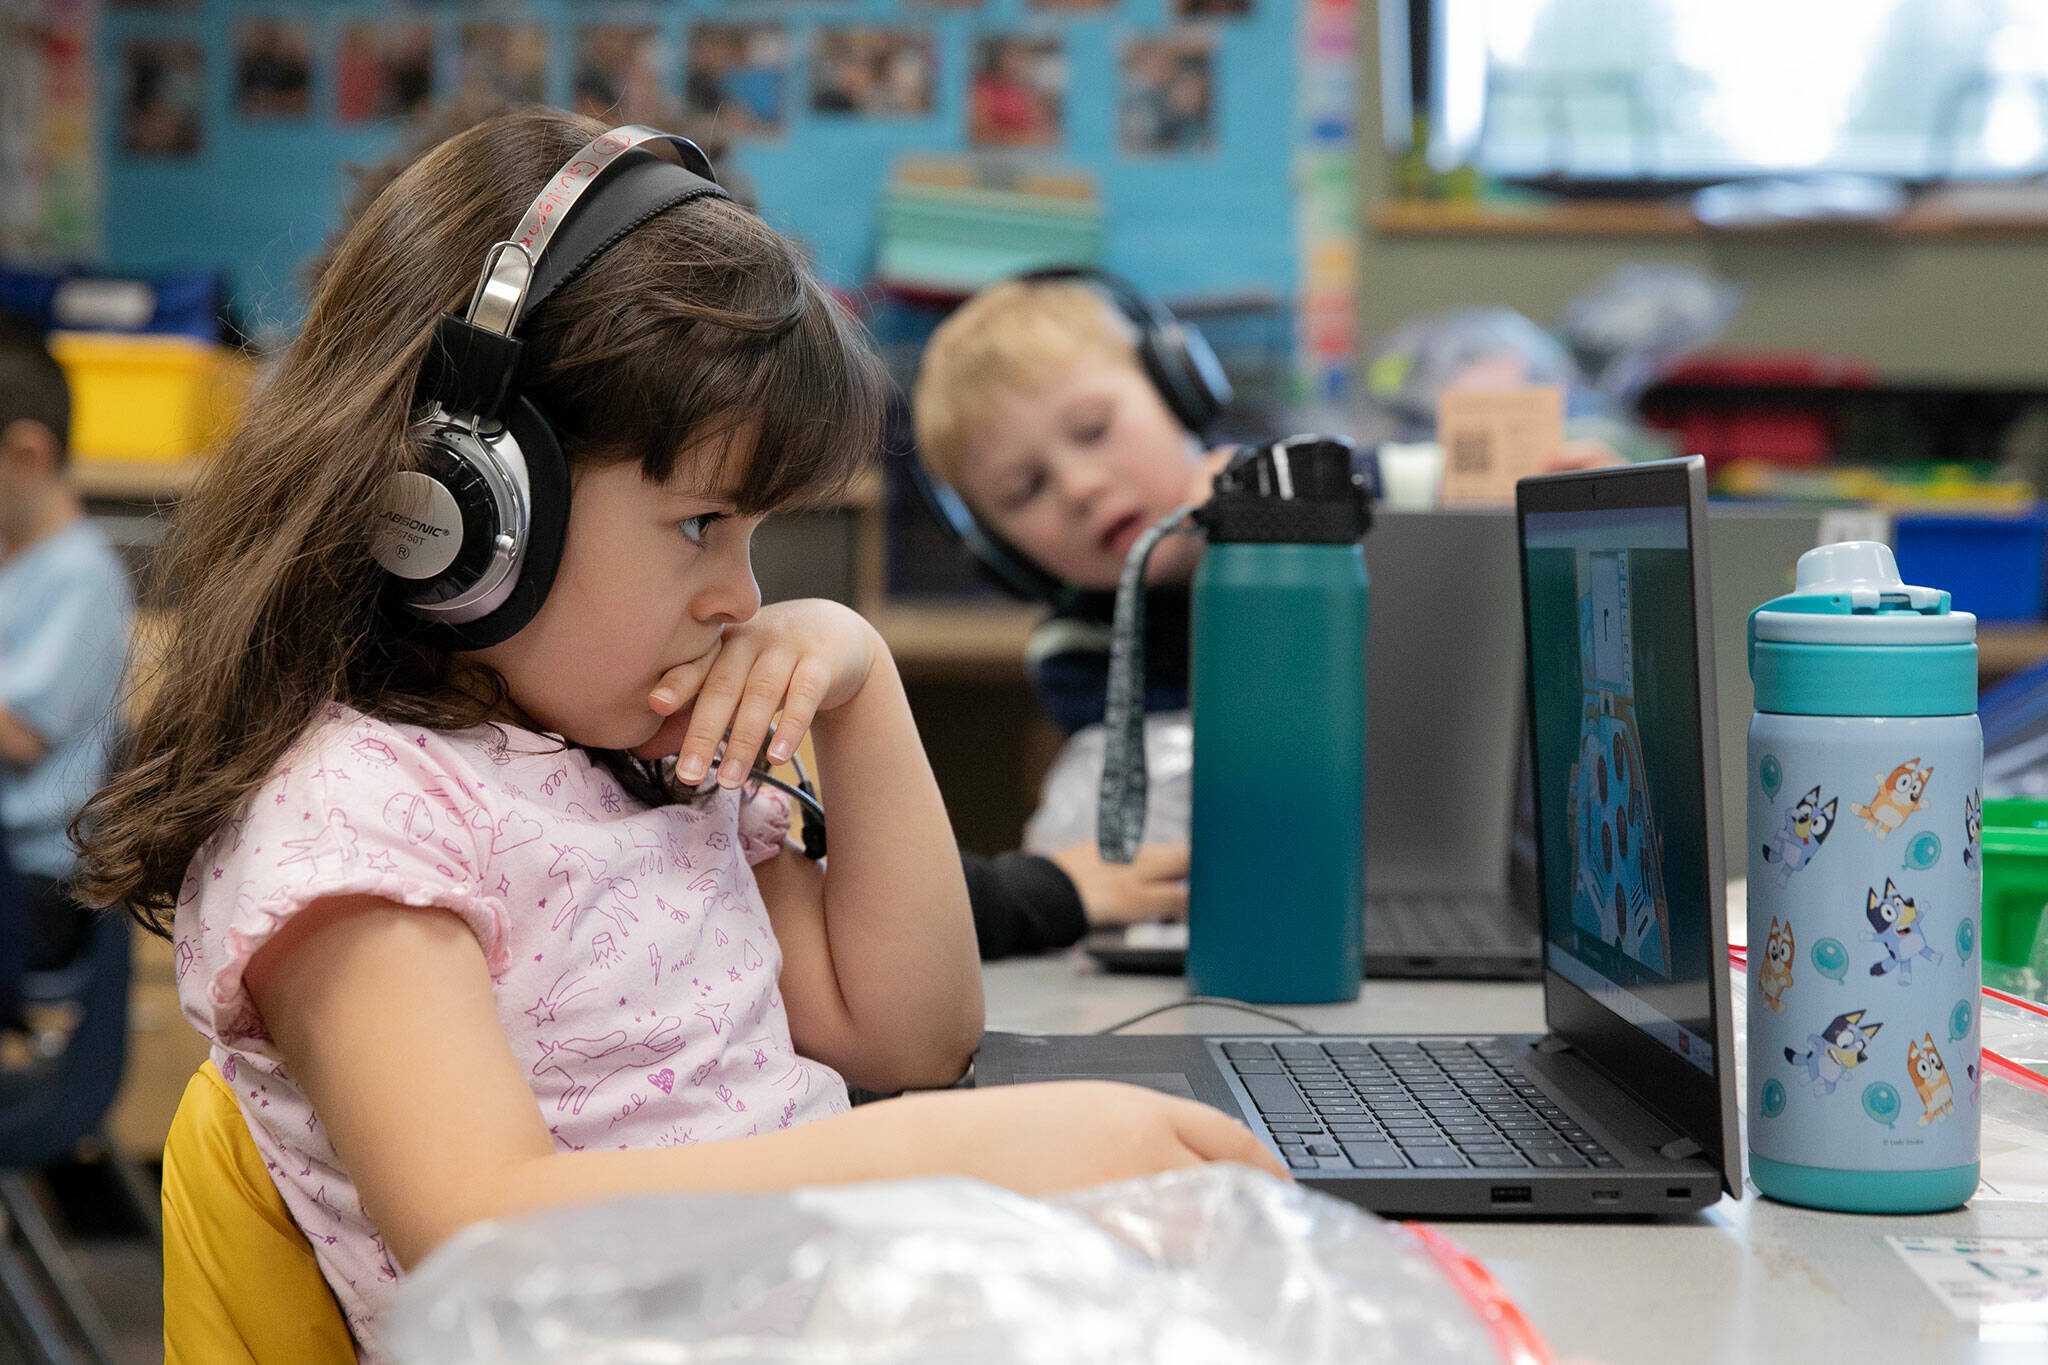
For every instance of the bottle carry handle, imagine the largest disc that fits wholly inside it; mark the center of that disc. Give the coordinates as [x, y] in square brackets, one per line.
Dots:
[1120, 809]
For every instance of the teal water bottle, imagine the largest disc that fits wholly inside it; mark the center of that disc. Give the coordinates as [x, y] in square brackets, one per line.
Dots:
[1276, 881]
[1865, 881]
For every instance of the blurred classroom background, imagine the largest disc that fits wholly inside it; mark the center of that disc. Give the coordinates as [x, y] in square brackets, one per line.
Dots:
[1808, 241]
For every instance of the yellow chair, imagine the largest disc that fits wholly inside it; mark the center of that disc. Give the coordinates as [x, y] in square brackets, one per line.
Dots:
[240, 1280]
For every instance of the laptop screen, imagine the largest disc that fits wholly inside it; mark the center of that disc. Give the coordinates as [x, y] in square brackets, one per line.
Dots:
[1627, 841]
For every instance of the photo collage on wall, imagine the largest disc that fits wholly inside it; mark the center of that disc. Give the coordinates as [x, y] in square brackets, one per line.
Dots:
[730, 78]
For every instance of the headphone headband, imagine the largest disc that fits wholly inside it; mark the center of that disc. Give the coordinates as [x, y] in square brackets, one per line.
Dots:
[1143, 310]
[471, 541]
[1175, 356]
[500, 296]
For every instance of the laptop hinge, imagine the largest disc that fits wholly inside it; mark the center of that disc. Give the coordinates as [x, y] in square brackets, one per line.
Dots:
[1680, 1149]
[1552, 1043]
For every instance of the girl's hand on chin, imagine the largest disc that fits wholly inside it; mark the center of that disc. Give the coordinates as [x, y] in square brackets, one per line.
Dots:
[797, 658]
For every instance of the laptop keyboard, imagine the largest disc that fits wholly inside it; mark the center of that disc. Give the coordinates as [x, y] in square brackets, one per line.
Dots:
[1443, 925]
[1400, 1104]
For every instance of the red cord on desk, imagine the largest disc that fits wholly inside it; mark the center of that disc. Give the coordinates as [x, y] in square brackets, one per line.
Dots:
[1513, 1334]
[2023, 1076]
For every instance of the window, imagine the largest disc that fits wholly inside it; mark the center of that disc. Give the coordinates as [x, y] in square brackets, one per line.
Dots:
[1645, 92]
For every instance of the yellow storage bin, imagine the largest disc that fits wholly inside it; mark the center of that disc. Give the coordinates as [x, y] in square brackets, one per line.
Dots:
[148, 399]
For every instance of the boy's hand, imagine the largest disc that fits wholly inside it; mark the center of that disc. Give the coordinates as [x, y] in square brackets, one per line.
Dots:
[797, 658]
[1152, 886]
[1202, 479]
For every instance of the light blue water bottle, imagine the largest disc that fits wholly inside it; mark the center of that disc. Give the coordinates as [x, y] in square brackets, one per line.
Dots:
[1865, 880]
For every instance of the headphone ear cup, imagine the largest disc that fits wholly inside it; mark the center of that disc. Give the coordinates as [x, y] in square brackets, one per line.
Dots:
[547, 477]
[435, 525]
[547, 480]
[1010, 569]
[1185, 370]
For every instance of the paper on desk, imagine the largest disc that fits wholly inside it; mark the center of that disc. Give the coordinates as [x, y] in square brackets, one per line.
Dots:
[1998, 1283]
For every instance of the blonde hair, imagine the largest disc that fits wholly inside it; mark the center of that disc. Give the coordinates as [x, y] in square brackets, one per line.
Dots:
[1005, 338]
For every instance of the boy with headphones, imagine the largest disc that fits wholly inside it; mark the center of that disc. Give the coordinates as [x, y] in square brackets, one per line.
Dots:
[1059, 415]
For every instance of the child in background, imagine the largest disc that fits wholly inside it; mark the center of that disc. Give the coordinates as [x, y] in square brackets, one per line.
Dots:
[462, 943]
[1032, 403]
[65, 609]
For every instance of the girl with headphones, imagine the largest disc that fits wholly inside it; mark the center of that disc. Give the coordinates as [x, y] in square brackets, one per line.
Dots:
[443, 793]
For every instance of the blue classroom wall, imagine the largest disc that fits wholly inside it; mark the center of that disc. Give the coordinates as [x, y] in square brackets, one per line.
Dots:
[261, 197]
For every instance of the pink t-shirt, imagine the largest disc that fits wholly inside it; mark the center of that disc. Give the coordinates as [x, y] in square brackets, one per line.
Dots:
[632, 962]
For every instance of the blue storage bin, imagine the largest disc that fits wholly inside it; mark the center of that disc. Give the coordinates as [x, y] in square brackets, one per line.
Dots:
[165, 303]
[1992, 564]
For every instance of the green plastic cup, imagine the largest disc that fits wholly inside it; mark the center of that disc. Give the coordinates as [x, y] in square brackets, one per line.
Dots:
[2015, 879]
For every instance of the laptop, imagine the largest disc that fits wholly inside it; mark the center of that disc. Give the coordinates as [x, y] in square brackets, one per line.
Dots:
[1626, 1104]
[1754, 551]
[1449, 871]
[1445, 896]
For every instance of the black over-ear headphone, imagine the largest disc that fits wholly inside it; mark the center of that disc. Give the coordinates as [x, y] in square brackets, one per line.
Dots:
[1175, 357]
[471, 540]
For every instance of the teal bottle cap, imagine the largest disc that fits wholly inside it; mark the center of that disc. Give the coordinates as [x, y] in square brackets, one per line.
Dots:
[1852, 638]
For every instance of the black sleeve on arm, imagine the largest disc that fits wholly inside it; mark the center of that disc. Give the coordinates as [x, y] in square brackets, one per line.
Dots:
[1022, 904]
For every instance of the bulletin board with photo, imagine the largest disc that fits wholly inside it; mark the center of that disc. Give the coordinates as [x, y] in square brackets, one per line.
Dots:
[1194, 119]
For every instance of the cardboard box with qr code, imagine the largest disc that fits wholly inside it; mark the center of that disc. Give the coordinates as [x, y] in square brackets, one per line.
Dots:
[1493, 437]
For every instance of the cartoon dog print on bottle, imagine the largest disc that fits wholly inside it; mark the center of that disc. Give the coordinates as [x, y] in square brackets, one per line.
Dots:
[1930, 1079]
[1899, 794]
[1776, 977]
[1835, 1051]
[1807, 826]
[1973, 829]
[1895, 927]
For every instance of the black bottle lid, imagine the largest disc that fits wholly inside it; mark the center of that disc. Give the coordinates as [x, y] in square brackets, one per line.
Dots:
[1300, 490]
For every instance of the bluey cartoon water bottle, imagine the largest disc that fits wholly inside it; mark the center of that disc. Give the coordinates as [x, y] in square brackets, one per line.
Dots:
[1865, 878]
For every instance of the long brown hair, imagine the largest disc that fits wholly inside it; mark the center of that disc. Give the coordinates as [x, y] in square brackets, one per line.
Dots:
[701, 322]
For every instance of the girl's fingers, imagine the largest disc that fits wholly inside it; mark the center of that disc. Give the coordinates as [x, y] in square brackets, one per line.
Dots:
[765, 687]
[679, 684]
[1215, 1136]
[799, 708]
[712, 713]
[666, 740]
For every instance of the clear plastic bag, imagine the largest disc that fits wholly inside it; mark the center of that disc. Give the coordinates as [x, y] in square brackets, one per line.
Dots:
[1410, 368]
[2013, 1074]
[1211, 1264]
[1643, 318]
[1071, 794]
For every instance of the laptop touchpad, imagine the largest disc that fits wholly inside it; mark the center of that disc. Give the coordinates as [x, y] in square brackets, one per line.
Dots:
[1165, 1082]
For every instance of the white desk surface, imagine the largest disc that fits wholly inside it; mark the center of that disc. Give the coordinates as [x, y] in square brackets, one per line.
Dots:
[1747, 1281]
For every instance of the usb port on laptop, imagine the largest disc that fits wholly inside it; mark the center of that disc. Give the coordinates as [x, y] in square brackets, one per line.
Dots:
[1513, 1194]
